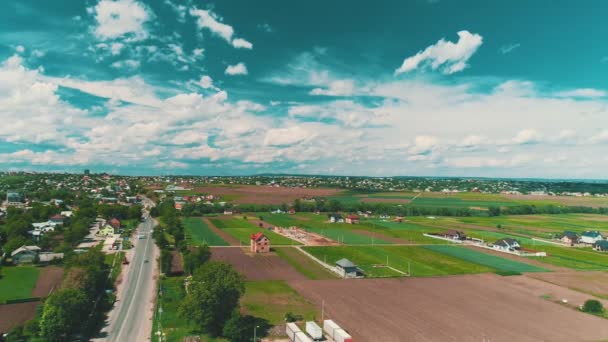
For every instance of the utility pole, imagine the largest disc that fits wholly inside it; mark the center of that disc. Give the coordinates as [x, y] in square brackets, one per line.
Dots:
[409, 272]
[255, 337]
[323, 310]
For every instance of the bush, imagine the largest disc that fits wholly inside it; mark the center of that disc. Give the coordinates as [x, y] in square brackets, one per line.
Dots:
[593, 306]
[291, 317]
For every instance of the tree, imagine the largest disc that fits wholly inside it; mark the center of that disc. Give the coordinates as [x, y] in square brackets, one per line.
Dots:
[494, 211]
[240, 328]
[62, 314]
[195, 258]
[593, 306]
[213, 294]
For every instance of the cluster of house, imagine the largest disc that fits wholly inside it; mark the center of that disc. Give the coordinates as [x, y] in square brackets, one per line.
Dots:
[110, 228]
[180, 201]
[339, 218]
[41, 228]
[589, 237]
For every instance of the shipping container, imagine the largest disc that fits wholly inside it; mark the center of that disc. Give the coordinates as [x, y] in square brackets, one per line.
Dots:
[302, 337]
[329, 326]
[314, 330]
[292, 329]
[340, 335]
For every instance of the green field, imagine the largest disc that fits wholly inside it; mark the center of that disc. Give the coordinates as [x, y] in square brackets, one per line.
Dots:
[271, 300]
[199, 233]
[175, 327]
[242, 229]
[422, 262]
[17, 282]
[576, 258]
[303, 264]
[495, 262]
[405, 230]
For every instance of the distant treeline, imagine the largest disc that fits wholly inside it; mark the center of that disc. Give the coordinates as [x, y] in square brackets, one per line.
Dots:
[197, 209]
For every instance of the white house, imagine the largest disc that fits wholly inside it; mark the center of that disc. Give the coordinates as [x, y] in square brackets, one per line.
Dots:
[507, 244]
[591, 237]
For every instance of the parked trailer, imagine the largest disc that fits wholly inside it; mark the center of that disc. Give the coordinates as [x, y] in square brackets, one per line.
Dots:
[314, 330]
[292, 329]
[340, 335]
[336, 333]
[302, 337]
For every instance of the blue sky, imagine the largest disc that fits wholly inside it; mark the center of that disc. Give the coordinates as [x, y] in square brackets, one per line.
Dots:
[438, 88]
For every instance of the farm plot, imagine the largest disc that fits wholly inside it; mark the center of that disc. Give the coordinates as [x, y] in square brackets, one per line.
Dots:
[458, 308]
[271, 300]
[419, 261]
[490, 237]
[14, 315]
[303, 264]
[256, 266]
[575, 258]
[502, 265]
[248, 194]
[199, 233]
[18, 282]
[242, 229]
[405, 230]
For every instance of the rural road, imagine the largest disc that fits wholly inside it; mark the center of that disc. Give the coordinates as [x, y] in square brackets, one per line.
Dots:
[131, 318]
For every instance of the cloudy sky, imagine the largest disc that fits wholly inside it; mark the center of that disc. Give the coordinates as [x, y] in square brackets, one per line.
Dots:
[418, 87]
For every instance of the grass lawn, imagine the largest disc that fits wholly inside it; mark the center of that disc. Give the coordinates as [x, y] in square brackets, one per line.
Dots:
[576, 258]
[17, 282]
[498, 263]
[303, 264]
[232, 222]
[175, 327]
[199, 233]
[422, 262]
[272, 299]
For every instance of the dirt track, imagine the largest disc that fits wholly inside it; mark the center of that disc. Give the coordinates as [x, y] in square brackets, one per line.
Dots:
[457, 308]
[13, 315]
[256, 267]
[266, 194]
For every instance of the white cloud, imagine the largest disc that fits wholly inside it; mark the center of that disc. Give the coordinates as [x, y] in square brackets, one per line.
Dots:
[209, 20]
[588, 93]
[20, 49]
[241, 43]
[198, 53]
[336, 88]
[423, 145]
[115, 48]
[286, 136]
[121, 18]
[450, 57]
[527, 136]
[126, 64]
[237, 69]
[505, 49]
[206, 82]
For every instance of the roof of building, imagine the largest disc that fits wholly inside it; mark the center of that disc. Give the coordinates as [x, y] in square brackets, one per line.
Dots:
[57, 218]
[114, 222]
[570, 234]
[506, 241]
[257, 236]
[592, 233]
[602, 243]
[454, 232]
[353, 217]
[345, 263]
[25, 249]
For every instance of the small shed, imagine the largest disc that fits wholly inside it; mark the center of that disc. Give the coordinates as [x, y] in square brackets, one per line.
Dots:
[353, 219]
[348, 269]
[569, 237]
[601, 246]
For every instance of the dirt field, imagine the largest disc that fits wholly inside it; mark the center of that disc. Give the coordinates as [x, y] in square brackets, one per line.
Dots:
[256, 267]
[266, 194]
[381, 236]
[13, 315]
[225, 236]
[595, 283]
[49, 279]
[177, 266]
[483, 307]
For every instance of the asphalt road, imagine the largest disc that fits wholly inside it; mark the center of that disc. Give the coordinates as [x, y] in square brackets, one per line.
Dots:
[130, 320]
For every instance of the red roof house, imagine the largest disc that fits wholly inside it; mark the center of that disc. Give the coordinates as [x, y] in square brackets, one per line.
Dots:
[259, 243]
[115, 223]
[352, 219]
